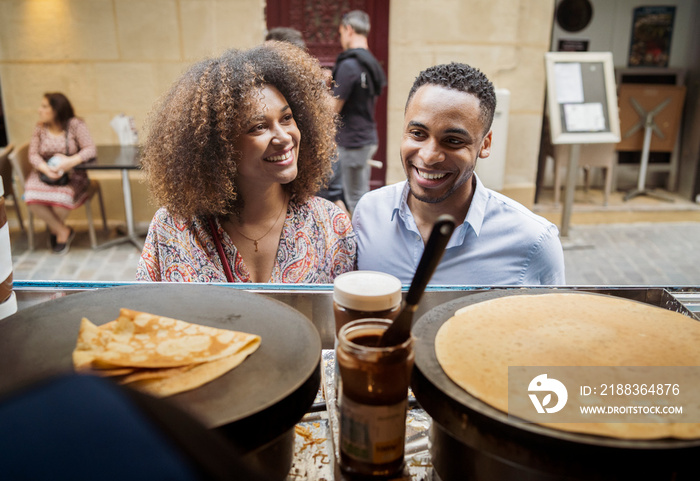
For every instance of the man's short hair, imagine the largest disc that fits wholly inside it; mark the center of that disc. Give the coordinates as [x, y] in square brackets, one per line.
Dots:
[464, 78]
[358, 20]
[286, 34]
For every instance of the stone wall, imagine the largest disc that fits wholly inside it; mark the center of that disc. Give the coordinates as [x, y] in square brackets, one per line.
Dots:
[111, 57]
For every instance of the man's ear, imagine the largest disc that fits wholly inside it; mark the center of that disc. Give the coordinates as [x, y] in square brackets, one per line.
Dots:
[485, 150]
[349, 30]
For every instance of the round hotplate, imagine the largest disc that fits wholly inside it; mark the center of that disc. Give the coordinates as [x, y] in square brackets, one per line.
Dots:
[473, 438]
[440, 386]
[38, 342]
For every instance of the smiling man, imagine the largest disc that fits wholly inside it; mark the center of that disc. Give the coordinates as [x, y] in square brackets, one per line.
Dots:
[447, 127]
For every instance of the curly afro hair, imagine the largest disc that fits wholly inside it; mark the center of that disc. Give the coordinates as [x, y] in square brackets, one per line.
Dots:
[189, 156]
[464, 78]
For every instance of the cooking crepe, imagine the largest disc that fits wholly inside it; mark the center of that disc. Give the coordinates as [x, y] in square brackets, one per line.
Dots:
[160, 355]
[476, 346]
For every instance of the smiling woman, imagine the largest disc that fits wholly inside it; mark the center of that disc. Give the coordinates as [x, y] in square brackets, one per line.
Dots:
[238, 141]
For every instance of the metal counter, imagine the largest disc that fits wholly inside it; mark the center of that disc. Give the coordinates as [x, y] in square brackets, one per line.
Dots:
[315, 440]
[316, 301]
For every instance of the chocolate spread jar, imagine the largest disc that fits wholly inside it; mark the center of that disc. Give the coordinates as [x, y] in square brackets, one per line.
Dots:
[373, 399]
[365, 294]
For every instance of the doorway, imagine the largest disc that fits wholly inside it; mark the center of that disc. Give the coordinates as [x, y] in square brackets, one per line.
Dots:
[318, 22]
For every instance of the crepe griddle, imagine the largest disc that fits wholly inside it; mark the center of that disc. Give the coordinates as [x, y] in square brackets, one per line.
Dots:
[492, 435]
[276, 383]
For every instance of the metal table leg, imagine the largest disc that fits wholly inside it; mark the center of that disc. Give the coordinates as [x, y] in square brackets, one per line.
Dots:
[128, 208]
[649, 126]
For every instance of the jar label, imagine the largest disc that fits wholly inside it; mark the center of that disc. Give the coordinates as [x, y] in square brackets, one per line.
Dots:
[372, 434]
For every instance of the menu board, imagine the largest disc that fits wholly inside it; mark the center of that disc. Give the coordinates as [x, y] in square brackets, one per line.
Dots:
[581, 97]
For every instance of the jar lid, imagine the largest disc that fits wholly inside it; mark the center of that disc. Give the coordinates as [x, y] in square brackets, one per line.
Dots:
[367, 291]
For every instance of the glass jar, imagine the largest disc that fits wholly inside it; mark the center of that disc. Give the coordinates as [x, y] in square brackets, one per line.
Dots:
[373, 399]
[363, 295]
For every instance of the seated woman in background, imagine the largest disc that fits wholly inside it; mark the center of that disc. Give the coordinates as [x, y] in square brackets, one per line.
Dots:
[235, 153]
[60, 142]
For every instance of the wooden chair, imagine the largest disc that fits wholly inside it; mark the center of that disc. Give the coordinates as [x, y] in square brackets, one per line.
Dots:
[20, 161]
[592, 155]
[7, 174]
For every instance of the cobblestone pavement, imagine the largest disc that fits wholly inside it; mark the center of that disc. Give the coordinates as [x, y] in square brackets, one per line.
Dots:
[607, 254]
[666, 254]
[116, 263]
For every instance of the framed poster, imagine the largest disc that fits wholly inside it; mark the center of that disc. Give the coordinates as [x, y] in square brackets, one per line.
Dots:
[652, 29]
[581, 98]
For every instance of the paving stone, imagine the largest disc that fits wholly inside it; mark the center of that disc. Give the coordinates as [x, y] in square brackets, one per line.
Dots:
[611, 254]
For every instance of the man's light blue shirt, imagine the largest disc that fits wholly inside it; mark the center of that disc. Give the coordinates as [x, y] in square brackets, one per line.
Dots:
[500, 242]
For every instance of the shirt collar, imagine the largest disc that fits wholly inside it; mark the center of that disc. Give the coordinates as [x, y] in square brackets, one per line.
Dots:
[474, 219]
[401, 208]
[477, 209]
[400, 201]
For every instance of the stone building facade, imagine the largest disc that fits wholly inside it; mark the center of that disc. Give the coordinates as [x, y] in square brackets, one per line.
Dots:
[118, 56]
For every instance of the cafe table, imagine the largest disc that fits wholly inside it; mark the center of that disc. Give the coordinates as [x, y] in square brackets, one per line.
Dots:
[315, 439]
[123, 158]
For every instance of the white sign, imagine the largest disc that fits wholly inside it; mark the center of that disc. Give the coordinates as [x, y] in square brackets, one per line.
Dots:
[584, 117]
[569, 83]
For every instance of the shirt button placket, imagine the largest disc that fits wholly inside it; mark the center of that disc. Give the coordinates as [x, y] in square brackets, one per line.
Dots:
[418, 250]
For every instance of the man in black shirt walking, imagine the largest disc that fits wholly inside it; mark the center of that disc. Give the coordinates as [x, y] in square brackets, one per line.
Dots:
[359, 80]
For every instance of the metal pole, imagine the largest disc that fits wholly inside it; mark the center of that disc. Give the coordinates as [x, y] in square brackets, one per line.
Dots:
[570, 189]
[641, 182]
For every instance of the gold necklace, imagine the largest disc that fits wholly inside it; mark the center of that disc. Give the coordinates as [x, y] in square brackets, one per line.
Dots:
[255, 241]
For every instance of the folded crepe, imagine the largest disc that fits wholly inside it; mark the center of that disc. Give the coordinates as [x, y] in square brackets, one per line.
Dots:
[160, 355]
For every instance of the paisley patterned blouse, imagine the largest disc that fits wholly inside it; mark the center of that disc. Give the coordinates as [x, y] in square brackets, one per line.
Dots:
[317, 244]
